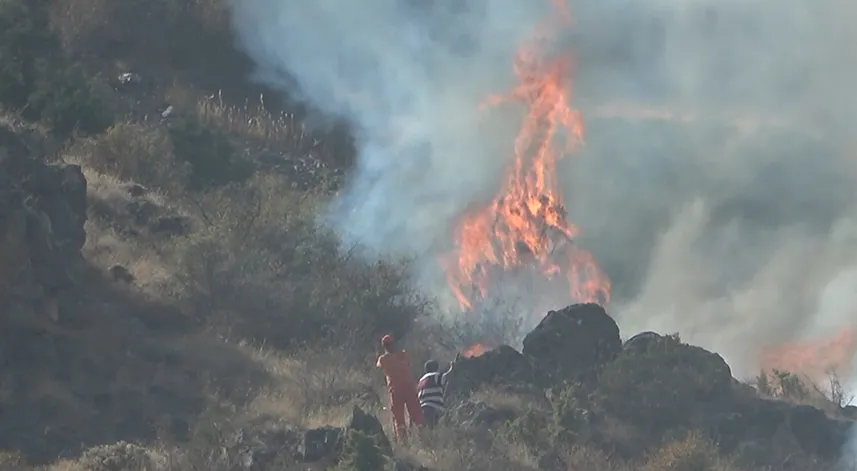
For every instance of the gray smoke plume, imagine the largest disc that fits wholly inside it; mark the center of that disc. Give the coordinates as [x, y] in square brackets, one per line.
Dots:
[716, 182]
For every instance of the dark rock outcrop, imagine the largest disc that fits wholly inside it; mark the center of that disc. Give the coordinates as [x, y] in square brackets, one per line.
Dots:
[572, 343]
[42, 214]
[326, 442]
[501, 366]
[371, 426]
[321, 443]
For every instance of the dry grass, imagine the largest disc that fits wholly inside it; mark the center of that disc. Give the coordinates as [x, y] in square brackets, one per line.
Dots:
[695, 452]
[315, 388]
[132, 151]
[254, 123]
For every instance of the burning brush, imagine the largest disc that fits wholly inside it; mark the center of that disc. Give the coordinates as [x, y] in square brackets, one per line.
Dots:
[526, 227]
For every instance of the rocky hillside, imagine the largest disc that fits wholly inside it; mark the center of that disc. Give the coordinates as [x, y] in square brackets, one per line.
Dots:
[170, 302]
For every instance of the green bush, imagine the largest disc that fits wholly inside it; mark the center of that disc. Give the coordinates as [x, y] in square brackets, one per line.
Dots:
[361, 452]
[38, 79]
[531, 429]
[212, 158]
[571, 414]
[67, 100]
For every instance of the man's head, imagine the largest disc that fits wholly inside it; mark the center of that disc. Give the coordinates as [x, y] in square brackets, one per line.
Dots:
[388, 342]
[432, 366]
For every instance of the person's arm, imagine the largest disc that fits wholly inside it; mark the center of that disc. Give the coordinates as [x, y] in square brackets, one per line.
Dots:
[443, 377]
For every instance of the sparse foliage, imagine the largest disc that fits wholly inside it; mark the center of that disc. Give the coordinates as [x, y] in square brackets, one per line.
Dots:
[361, 453]
[38, 79]
[694, 452]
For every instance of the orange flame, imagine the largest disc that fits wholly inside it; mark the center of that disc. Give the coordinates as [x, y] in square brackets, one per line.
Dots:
[526, 226]
[813, 358]
[475, 350]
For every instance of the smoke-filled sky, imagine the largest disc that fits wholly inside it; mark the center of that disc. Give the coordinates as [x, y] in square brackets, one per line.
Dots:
[735, 226]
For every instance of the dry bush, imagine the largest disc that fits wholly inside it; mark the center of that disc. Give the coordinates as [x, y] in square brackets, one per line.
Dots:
[281, 131]
[832, 397]
[318, 387]
[695, 452]
[133, 151]
[265, 270]
[449, 448]
[587, 458]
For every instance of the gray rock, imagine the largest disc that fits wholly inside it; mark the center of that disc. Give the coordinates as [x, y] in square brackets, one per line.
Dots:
[572, 343]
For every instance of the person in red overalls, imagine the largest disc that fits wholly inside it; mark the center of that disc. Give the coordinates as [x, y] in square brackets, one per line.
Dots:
[396, 365]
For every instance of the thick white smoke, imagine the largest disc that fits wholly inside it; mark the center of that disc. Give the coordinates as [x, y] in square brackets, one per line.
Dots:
[734, 227]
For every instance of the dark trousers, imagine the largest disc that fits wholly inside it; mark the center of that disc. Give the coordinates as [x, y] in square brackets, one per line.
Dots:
[431, 416]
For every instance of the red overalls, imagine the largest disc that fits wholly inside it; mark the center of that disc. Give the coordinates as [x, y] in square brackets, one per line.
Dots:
[403, 390]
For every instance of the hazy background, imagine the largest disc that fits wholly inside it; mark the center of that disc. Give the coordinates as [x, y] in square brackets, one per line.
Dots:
[716, 183]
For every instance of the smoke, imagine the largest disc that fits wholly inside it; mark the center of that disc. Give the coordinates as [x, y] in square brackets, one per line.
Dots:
[716, 183]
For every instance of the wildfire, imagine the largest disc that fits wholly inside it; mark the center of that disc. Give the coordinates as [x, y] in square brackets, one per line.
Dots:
[525, 227]
[475, 350]
[815, 357]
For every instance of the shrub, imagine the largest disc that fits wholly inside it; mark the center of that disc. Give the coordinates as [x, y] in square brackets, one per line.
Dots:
[264, 269]
[530, 429]
[361, 452]
[134, 151]
[36, 76]
[212, 158]
[694, 452]
[571, 414]
[67, 100]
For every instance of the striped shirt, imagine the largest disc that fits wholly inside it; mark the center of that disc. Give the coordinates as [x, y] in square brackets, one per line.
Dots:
[431, 389]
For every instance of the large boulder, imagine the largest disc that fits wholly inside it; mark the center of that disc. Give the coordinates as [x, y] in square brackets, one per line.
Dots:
[718, 382]
[369, 425]
[501, 367]
[572, 343]
[42, 214]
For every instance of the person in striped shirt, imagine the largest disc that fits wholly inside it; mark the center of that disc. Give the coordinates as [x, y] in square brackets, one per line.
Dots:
[431, 389]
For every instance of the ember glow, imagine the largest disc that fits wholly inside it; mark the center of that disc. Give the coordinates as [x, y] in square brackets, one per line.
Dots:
[526, 228]
[814, 358]
[475, 350]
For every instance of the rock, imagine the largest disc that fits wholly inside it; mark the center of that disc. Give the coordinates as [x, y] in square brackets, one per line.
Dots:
[321, 443]
[136, 191]
[475, 414]
[760, 420]
[498, 367]
[572, 343]
[719, 383]
[371, 426]
[120, 273]
[640, 342]
[43, 211]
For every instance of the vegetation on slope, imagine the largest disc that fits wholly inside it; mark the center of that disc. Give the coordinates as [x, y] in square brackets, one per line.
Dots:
[213, 303]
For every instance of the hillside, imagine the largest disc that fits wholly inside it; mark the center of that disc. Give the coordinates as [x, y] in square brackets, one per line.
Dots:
[171, 302]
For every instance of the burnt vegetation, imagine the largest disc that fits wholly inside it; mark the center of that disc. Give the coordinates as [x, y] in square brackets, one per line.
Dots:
[207, 321]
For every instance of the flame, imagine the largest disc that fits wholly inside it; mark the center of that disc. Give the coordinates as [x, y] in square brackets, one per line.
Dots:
[525, 227]
[475, 350]
[815, 357]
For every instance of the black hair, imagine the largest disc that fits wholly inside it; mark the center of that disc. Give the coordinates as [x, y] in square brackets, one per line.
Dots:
[432, 366]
